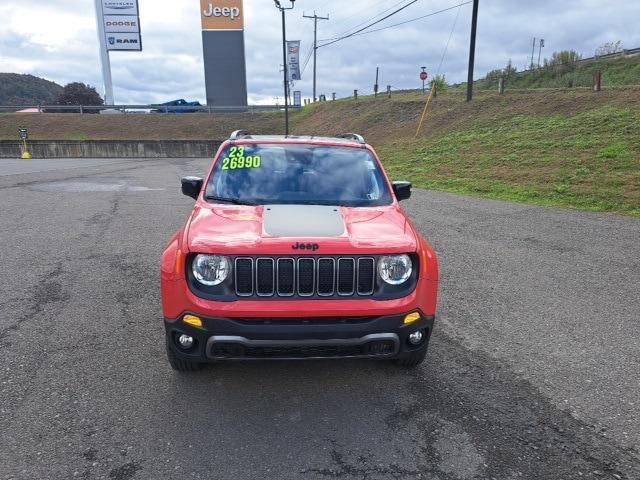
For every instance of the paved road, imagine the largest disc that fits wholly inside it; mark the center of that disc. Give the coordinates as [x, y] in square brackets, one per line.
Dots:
[532, 373]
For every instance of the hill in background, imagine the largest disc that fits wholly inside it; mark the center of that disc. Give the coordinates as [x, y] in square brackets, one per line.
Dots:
[18, 89]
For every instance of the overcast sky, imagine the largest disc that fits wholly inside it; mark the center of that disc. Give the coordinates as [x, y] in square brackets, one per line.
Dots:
[57, 39]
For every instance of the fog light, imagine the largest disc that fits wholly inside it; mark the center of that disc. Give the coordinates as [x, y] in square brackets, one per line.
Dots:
[185, 341]
[415, 338]
[193, 321]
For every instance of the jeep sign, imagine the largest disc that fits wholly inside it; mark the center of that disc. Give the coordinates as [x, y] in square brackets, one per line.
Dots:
[222, 14]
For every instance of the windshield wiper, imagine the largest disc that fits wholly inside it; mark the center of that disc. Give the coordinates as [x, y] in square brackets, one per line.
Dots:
[234, 201]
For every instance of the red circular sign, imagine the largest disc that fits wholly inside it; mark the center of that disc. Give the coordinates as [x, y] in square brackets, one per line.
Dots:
[424, 75]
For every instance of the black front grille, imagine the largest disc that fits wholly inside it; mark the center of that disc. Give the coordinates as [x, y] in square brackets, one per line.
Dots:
[244, 276]
[265, 277]
[326, 276]
[305, 276]
[236, 350]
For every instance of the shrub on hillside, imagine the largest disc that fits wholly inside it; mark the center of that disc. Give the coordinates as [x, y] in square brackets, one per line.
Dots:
[440, 83]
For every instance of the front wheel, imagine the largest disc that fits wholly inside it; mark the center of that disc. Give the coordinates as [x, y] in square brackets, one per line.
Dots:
[180, 364]
[413, 359]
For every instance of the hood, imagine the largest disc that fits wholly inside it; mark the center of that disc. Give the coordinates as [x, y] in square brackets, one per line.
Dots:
[299, 229]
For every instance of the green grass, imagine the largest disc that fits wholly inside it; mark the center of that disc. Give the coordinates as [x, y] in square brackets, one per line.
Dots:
[76, 136]
[616, 72]
[589, 161]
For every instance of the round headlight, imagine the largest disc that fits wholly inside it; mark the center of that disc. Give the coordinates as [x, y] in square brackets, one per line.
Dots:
[211, 270]
[395, 269]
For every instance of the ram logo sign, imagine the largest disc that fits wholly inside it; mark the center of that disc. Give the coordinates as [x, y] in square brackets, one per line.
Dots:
[124, 41]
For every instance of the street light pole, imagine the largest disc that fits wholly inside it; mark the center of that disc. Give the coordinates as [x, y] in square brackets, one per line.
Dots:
[284, 61]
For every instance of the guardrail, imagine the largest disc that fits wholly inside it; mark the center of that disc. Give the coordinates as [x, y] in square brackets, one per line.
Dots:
[138, 109]
[632, 52]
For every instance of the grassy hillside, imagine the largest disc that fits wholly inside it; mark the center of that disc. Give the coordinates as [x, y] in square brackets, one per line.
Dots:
[17, 89]
[571, 148]
[69, 126]
[563, 148]
[615, 72]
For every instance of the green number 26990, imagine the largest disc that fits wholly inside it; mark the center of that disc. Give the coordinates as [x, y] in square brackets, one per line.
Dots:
[236, 163]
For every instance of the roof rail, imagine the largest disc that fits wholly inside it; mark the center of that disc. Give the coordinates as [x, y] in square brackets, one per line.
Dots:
[353, 136]
[239, 134]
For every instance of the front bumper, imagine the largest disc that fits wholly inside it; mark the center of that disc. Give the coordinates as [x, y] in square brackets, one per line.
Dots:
[306, 338]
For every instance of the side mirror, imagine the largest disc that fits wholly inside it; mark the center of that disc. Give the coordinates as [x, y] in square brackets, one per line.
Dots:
[191, 186]
[402, 190]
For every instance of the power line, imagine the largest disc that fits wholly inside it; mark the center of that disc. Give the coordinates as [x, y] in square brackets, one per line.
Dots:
[433, 88]
[410, 20]
[370, 25]
[359, 12]
[307, 57]
[449, 41]
[365, 21]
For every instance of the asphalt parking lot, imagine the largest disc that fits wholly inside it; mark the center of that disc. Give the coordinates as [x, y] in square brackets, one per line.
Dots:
[533, 370]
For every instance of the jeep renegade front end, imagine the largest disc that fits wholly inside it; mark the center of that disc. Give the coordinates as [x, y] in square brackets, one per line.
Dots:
[297, 248]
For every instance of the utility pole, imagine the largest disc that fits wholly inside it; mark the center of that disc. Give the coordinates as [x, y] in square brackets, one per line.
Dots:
[540, 51]
[284, 61]
[472, 50]
[375, 85]
[533, 50]
[315, 46]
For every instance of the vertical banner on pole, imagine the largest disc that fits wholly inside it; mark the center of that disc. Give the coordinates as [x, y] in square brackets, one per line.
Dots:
[293, 60]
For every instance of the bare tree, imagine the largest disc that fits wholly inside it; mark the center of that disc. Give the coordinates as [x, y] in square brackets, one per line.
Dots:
[609, 48]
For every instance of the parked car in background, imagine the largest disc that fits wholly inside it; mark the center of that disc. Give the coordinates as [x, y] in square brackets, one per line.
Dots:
[178, 106]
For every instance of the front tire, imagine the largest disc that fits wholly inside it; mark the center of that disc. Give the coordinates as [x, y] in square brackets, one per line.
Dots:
[413, 359]
[180, 364]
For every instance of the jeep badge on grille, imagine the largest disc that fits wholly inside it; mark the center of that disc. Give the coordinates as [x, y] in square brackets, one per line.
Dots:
[305, 246]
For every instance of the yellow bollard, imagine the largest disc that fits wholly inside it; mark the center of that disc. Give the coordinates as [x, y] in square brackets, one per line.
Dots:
[26, 154]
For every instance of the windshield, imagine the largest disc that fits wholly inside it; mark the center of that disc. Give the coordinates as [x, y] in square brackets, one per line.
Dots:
[298, 174]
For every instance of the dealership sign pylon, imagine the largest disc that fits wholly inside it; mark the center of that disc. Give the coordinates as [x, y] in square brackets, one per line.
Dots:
[118, 30]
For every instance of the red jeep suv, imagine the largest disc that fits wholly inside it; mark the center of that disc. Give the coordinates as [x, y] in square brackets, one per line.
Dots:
[297, 248]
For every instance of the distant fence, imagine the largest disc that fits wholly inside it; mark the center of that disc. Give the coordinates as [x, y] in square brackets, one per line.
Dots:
[140, 109]
[112, 148]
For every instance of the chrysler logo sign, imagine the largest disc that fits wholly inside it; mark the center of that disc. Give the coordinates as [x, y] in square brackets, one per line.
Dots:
[120, 7]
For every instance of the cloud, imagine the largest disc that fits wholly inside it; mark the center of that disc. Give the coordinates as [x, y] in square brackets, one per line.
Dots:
[57, 39]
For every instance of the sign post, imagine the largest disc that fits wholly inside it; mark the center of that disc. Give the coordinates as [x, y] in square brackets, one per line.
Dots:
[423, 76]
[118, 29]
